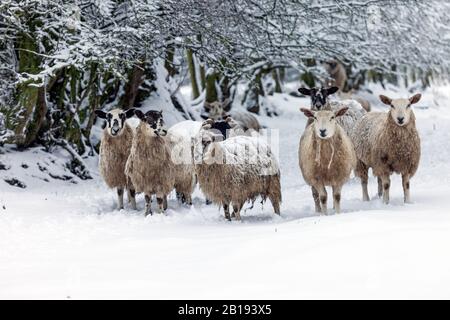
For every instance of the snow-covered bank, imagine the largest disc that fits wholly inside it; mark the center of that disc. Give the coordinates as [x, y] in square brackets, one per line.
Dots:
[60, 240]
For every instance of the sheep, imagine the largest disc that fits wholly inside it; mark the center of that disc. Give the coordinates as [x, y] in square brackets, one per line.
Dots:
[388, 143]
[149, 165]
[337, 72]
[115, 149]
[181, 137]
[246, 120]
[236, 170]
[326, 156]
[339, 75]
[320, 101]
[351, 96]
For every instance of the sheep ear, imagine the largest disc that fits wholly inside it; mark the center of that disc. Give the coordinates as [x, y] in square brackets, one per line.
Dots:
[415, 98]
[101, 114]
[308, 112]
[305, 91]
[331, 90]
[139, 114]
[341, 112]
[129, 113]
[385, 100]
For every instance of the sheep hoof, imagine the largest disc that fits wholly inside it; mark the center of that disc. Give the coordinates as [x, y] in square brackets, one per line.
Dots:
[233, 215]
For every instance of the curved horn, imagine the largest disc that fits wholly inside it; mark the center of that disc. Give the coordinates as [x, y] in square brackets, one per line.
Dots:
[231, 122]
[207, 123]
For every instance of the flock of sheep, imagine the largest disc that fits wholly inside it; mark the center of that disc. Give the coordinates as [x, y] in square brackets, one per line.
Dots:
[342, 136]
[232, 164]
[227, 157]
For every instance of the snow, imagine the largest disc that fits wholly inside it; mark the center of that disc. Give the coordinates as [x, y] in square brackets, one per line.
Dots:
[67, 240]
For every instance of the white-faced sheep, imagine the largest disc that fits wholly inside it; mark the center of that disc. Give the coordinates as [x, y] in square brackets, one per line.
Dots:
[320, 101]
[388, 143]
[339, 75]
[149, 165]
[244, 119]
[326, 156]
[115, 149]
[236, 170]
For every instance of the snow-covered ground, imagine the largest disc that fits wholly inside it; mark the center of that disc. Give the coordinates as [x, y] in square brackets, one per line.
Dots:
[63, 239]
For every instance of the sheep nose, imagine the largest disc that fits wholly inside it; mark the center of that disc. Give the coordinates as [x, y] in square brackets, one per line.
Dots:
[400, 120]
[323, 132]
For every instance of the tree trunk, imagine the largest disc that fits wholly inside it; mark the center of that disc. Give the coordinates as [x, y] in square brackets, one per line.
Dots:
[27, 92]
[168, 63]
[193, 75]
[211, 90]
[277, 79]
[38, 118]
[307, 77]
[135, 79]
[202, 75]
[254, 91]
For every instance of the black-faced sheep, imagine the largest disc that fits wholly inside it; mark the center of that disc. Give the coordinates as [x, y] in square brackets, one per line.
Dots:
[388, 143]
[244, 119]
[115, 149]
[149, 165]
[326, 156]
[235, 170]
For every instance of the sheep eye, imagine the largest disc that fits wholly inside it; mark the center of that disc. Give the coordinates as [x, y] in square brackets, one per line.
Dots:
[408, 106]
[392, 106]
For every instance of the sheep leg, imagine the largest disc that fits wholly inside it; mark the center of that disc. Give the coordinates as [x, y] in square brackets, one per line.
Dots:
[316, 198]
[275, 205]
[405, 183]
[380, 187]
[132, 198]
[337, 198]
[386, 185]
[160, 201]
[362, 171]
[323, 199]
[226, 210]
[188, 199]
[237, 211]
[165, 202]
[120, 197]
[148, 205]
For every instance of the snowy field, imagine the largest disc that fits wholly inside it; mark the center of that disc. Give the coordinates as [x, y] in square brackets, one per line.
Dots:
[65, 239]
